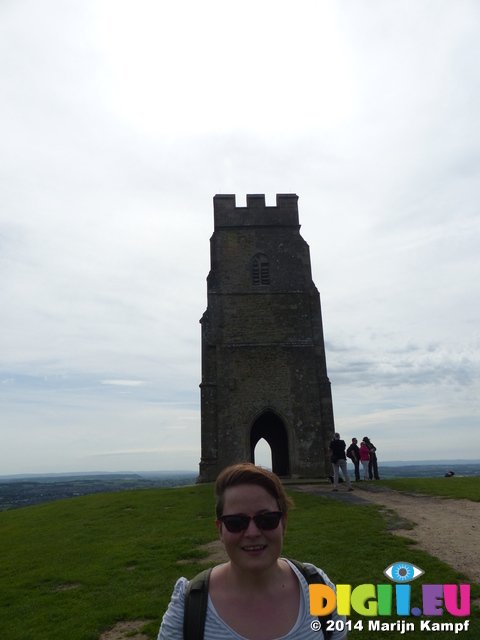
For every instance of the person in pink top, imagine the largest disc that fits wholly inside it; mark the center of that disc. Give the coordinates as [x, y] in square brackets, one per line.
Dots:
[364, 459]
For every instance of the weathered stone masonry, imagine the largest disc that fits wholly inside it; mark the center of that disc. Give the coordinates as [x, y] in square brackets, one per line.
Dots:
[264, 372]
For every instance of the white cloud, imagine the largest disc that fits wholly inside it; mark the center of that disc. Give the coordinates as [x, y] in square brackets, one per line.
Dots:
[216, 66]
[119, 122]
[123, 383]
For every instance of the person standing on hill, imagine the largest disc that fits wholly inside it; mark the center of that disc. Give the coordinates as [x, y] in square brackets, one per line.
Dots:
[339, 461]
[372, 467]
[364, 459]
[353, 452]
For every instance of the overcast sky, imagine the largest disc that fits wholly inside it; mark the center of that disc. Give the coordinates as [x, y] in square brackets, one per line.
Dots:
[119, 121]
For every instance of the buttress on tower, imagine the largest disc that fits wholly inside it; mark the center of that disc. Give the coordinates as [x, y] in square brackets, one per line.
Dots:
[264, 372]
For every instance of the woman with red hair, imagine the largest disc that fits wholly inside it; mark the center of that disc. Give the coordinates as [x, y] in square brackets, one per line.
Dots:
[256, 594]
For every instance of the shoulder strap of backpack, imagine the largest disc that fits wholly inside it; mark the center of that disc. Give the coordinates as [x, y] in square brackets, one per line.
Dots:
[195, 612]
[312, 576]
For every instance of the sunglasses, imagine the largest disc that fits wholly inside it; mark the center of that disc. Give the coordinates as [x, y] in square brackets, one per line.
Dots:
[265, 521]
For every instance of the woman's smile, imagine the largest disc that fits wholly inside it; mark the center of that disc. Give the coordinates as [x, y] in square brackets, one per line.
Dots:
[255, 549]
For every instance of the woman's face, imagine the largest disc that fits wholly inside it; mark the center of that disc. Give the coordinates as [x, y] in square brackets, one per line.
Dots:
[252, 549]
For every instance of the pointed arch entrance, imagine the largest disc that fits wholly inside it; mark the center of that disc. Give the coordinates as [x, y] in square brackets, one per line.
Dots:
[272, 428]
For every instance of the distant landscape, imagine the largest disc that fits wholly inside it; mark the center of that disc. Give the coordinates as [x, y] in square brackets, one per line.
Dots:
[24, 491]
[30, 489]
[435, 469]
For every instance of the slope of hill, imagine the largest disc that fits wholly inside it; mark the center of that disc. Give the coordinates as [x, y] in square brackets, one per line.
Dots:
[74, 568]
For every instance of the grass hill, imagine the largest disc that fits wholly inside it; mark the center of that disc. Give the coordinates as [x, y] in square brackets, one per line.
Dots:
[73, 568]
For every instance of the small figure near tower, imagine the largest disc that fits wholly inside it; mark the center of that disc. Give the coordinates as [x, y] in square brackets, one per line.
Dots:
[264, 371]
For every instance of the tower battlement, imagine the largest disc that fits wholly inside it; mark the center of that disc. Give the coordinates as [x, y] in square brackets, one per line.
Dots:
[256, 213]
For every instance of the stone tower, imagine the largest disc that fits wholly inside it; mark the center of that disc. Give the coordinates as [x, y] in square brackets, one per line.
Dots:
[264, 372]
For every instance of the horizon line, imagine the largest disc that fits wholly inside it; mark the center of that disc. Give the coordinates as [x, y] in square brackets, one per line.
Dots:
[389, 463]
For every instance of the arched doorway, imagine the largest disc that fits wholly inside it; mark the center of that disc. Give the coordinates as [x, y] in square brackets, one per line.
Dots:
[272, 428]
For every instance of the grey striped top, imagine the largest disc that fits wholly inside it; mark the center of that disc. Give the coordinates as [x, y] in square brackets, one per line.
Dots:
[217, 629]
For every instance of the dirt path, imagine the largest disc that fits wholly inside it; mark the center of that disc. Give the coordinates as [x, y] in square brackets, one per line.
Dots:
[129, 630]
[447, 529]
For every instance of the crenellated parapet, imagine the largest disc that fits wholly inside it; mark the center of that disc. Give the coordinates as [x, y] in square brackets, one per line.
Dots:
[256, 213]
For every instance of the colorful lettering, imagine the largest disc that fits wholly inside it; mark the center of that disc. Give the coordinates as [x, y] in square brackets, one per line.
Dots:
[432, 599]
[384, 595]
[370, 600]
[344, 592]
[450, 594]
[322, 600]
[363, 600]
[402, 594]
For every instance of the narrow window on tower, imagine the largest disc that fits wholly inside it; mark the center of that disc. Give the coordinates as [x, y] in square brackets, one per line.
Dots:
[260, 270]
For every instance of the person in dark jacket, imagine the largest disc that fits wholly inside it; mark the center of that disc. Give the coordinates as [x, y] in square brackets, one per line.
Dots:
[339, 461]
[353, 452]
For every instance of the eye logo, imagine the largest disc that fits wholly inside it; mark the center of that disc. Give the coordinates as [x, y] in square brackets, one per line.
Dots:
[403, 572]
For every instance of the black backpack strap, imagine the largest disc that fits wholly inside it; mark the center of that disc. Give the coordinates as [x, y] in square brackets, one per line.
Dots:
[195, 612]
[312, 576]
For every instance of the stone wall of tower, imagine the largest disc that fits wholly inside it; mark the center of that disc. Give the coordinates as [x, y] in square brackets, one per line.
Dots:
[262, 342]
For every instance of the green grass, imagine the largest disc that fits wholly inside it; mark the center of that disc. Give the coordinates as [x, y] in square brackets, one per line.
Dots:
[121, 548]
[468, 487]
[119, 552]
